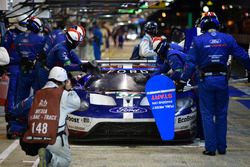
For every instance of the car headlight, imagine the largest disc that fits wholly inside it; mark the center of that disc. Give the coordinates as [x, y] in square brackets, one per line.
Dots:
[98, 99]
[183, 103]
[144, 102]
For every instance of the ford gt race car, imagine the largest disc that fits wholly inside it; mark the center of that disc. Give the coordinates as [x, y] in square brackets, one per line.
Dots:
[118, 107]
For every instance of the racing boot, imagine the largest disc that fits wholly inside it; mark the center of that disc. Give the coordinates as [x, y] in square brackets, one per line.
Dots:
[45, 157]
[9, 134]
[210, 153]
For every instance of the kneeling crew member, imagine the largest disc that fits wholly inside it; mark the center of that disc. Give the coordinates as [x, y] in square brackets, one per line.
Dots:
[47, 119]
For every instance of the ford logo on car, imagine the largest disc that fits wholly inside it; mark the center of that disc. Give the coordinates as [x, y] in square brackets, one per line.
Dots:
[128, 109]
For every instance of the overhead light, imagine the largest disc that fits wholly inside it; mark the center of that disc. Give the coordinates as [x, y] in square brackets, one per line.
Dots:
[130, 11]
[108, 15]
[230, 22]
[169, 0]
[178, 13]
[209, 3]
[163, 14]
[121, 24]
[205, 9]
[162, 24]
[85, 10]
[124, 5]
[230, 6]
[166, 3]
[144, 6]
[223, 7]
[138, 11]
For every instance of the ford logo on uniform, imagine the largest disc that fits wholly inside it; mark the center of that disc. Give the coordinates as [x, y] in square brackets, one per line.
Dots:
[128, 109]
[215, 41]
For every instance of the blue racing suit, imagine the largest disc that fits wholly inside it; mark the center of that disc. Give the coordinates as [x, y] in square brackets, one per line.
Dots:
[51, 40]
[55, 37]
[97, 42]
[60, 55]
[173, 59]
[209, 53]
[13, 67]
[19, 121]
[29, 46]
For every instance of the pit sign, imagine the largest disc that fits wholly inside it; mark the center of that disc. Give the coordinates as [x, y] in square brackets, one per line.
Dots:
[160, 91]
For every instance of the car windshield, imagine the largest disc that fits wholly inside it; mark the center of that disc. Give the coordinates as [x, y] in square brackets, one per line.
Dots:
[134, 82]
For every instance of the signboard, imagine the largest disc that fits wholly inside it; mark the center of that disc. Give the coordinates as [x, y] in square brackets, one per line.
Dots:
[160, 91]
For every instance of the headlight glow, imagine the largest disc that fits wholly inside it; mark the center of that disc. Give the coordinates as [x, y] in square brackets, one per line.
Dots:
[98, 99]
[144, 102]
[183, 103]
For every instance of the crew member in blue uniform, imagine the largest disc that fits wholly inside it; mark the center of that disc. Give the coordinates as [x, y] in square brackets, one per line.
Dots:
[63, 56]
[169, 58]
[97, 41]
[29, 46]
[14, 65]
[209, 54]
[55, 37]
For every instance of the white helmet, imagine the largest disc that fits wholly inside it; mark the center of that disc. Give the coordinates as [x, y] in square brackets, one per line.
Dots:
[160, 44]
[34, 24]
[84, 20]
[156, 42]
[58, 73]
[73, 37]
[22, 22]
[81, 30]
[4, 56]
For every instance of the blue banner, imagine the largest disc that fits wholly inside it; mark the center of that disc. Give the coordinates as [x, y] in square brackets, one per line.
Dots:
[160, 92]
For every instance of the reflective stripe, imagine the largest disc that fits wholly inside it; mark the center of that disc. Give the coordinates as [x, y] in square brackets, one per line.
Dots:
[67, 63]
[179, 70]
[215, 73]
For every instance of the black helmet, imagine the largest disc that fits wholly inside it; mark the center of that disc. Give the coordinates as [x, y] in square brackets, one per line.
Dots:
[151, 28]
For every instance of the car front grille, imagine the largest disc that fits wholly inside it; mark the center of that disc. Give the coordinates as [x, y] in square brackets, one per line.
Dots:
[125, 130]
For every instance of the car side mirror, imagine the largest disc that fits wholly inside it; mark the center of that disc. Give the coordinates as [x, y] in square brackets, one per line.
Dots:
[84, 105]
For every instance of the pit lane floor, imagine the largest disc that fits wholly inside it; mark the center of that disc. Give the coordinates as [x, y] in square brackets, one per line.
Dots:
[148, 154]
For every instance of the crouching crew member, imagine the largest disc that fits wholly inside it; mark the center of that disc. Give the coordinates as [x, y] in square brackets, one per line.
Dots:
[47, 119]
[169, 59]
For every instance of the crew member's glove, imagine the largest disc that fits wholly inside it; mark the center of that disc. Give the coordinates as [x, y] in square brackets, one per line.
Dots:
[180, 85]
[91, 68]
[90, 65]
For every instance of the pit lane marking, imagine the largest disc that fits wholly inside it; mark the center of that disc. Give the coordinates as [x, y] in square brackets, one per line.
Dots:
[35, 164]
[239, 98]
[8, 151]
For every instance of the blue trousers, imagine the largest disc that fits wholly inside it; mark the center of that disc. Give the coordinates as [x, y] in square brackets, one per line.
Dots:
[214, 97]
[42, 77]
[97, 51]
[14, 71]
[26, 81]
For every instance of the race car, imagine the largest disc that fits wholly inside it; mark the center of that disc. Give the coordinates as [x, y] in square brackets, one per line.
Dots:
[118, 108]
